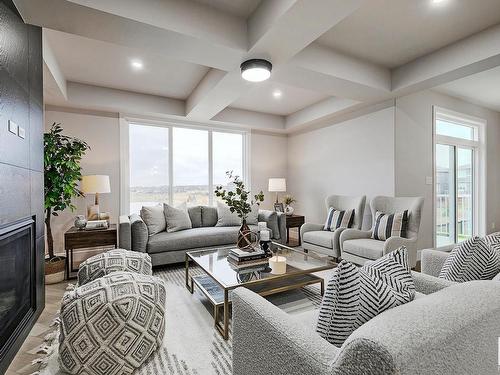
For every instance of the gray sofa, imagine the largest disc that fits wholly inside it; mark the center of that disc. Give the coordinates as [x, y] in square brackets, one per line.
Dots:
[452, 331]
[167, 248]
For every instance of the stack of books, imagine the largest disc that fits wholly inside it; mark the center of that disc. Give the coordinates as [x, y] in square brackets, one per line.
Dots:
[241, 258]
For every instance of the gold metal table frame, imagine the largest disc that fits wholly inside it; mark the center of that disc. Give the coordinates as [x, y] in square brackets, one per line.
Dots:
[264, 287]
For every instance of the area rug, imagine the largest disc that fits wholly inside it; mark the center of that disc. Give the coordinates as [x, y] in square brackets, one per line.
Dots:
[191, 345]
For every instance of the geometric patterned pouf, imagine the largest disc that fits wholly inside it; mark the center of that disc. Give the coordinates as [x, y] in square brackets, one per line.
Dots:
[111, 325]
[112, 261]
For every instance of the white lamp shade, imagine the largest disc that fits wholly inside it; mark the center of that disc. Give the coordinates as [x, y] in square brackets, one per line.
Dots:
[277, 185]
[95, 184]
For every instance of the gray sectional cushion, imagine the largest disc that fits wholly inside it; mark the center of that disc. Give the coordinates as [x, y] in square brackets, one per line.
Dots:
[364, 247]
[208, 216]
[194, 238]
[320, 238]
[226, 218]
[195, 216]
[271, 218]
[177, 218]
[139, 232]
[154, 218]
[253, 216]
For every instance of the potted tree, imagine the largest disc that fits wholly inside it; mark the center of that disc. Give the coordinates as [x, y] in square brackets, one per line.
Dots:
[238, 201]
[62, 156]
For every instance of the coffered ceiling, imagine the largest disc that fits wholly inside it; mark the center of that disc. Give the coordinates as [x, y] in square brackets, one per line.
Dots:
[180, 58]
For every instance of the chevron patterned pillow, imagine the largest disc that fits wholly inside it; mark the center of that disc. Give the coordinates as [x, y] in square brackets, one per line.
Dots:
[355, 295]
[474, 259]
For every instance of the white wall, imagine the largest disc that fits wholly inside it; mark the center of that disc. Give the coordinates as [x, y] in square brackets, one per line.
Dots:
[267, 159]
[355, 157]
[414, 154]
[102, 135]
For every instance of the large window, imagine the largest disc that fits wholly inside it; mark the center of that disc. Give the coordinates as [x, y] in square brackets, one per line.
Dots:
[457, 166]
[180, 164]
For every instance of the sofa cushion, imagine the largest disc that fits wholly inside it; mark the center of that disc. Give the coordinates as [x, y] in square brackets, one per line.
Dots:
[195, 216]
[177, 218]
[473, 259]
[154, 218]
[139, 232]
[208, 216]
[338, 219]
[320, 238]
[388, 225]
[226, 218]
[193, 238]
[271, 218]
[364, 247]
[355, 295]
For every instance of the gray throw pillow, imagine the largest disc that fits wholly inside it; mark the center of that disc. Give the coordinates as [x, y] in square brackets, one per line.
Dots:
[154, 218]
[177, 218]
[226, 218]
[253, 216]
[473, 259]
[355, 295]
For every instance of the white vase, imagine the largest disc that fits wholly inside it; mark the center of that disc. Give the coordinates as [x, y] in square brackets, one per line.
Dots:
[289, 210]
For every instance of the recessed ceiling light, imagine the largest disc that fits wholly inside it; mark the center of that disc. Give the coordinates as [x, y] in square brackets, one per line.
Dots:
[277, 94]
[137, 64]
[438, 2]
[256, 70]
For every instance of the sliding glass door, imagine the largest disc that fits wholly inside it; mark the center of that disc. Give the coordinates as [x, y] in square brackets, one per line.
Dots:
[456, 185]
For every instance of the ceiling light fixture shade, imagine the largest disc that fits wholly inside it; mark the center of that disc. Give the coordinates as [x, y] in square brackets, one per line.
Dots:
[256, 70]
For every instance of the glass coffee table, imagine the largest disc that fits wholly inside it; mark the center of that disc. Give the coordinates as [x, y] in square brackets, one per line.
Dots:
[219, 277]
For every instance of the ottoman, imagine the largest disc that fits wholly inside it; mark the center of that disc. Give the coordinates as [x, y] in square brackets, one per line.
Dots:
[111, 325]
[113, 261]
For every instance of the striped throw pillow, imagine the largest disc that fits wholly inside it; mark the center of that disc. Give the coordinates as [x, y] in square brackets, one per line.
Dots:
[355, 295]
[338, 219]
[388, 225]
[473, 259]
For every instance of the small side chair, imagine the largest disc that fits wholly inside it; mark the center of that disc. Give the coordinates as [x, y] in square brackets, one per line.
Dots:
[315, 238]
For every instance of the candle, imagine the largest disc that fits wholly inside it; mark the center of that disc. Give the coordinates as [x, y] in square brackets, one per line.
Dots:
[277, 264]
[262, 225]
[264, 235]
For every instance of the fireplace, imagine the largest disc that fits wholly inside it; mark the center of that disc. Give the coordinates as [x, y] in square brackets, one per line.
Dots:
[17, 280]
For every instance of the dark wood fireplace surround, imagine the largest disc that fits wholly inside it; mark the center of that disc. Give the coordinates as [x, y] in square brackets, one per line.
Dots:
[21, 169]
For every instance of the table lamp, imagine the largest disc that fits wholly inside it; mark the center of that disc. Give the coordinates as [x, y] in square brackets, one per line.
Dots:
[277, 185]
[95, 184]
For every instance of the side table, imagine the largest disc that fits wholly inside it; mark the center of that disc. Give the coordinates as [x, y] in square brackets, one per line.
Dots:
[294, 221]
[79, 239]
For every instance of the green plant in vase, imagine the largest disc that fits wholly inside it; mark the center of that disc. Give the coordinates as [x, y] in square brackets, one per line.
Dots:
[288, 200]
[62, 156]
[239, 201]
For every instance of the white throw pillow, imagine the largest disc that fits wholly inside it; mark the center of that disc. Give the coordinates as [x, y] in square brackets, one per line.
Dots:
[355, 295]
[473, 259]
[226, 218]
[154, 218]
[177, 218]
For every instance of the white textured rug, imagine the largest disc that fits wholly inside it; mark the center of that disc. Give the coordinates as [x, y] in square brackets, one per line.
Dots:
[192, 345]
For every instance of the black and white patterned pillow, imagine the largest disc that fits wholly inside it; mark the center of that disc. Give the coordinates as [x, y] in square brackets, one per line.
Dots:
[388, 225]
[355, 295]
[338, 219]
[474, 259]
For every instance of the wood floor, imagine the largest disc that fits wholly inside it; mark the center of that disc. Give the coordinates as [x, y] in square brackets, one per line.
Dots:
[22, 362]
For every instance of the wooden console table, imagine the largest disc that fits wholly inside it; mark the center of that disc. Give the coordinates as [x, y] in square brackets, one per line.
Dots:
[294, 221]
[79, 239]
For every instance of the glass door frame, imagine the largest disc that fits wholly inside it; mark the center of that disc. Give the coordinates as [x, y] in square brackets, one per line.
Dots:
[477, 145]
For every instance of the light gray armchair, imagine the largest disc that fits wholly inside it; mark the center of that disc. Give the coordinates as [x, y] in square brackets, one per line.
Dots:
[316, 239]
[357, 246]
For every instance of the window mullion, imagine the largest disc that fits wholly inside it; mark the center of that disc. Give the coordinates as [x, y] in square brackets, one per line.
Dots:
[210, 169]
[170, 165]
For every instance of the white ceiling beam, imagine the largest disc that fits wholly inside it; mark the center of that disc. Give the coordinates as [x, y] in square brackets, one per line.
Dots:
[317, 112]
[278, 30]
[471, 55]
[322, 69]
[57, 77]
[69, 17]
[251, 118]
[185, 17]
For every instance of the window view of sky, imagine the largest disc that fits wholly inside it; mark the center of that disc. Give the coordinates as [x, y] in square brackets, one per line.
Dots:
[451, 129]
